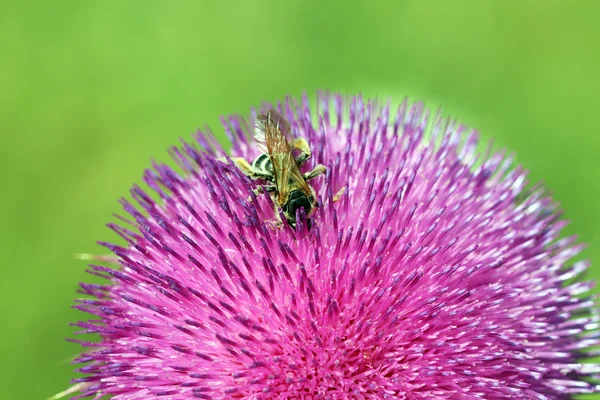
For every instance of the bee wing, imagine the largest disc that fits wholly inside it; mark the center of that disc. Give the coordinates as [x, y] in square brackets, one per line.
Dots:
[259, 133]
[297, 177]
[275, 129]
[271, 117]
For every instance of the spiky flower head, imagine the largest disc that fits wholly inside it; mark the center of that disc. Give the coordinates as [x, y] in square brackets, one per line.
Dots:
[433, 275]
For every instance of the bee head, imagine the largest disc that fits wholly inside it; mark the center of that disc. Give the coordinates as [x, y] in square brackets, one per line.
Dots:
[297, 200]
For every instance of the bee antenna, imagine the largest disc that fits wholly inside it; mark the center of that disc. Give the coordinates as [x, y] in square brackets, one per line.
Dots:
[301, 220]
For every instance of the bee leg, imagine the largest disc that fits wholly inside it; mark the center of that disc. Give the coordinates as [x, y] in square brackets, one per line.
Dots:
[339, 194]
[263, 175]
[275, 222]
[318, 170]
[243, 166]
[302, 145]
[261, 189]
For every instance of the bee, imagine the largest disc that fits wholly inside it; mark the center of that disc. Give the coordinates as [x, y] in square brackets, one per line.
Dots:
[279, 167]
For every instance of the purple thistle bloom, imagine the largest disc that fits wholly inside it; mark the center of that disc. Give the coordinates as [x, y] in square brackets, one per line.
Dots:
[434, 275]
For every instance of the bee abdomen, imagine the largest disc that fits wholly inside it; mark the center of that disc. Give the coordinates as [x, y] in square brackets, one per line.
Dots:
[263, 163]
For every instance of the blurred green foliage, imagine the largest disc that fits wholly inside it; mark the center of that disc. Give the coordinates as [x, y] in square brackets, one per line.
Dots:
[90, 90]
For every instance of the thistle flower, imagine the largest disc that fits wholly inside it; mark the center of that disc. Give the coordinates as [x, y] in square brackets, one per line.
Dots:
[436, 274]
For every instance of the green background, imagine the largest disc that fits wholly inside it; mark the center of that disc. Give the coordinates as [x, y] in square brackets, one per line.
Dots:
[91, 90]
